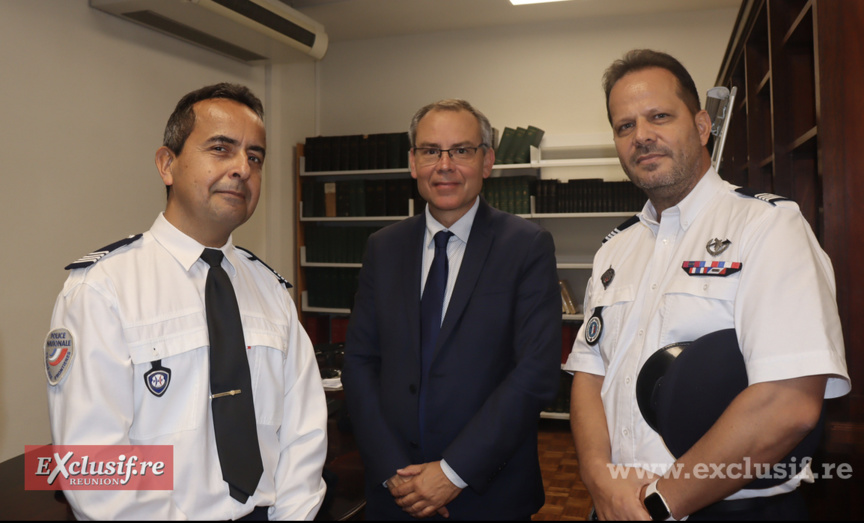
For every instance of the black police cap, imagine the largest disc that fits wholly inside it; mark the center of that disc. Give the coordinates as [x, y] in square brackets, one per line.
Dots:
[683, 388]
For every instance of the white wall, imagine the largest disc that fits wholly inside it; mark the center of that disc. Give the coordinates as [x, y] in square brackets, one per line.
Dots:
[85, 99]
[544, 75]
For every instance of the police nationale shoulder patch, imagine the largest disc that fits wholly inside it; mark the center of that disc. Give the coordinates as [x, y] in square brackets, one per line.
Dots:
[59, 355]
[95, 256]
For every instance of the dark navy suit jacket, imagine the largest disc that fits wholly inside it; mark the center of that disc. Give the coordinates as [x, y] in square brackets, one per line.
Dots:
[495, 366]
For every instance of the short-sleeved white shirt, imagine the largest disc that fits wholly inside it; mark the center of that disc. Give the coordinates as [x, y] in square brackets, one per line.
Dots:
[144, 303]
[782, 304]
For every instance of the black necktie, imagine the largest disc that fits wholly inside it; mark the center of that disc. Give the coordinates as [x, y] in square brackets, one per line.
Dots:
[230, 384]
[431, 307]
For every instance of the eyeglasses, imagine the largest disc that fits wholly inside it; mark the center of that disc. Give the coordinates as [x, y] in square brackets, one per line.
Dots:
[431, 155]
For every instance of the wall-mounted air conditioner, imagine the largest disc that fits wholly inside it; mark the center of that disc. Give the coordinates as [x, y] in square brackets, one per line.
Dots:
[247, 30]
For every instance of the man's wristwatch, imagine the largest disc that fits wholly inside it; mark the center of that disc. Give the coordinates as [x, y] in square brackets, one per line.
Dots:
[656, 505]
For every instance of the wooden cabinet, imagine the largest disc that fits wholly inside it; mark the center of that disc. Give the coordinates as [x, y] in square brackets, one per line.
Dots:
[774, 131]
[796, 131]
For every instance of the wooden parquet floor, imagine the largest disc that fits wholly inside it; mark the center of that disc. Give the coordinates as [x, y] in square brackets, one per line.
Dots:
[567, 499]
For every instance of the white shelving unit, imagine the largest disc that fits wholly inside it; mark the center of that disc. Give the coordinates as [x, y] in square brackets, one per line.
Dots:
[356, 218]
[304, 263]
[577, 235]
[555, 415]
[304, 304]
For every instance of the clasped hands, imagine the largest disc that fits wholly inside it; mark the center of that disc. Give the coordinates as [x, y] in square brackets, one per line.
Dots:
[423, 490]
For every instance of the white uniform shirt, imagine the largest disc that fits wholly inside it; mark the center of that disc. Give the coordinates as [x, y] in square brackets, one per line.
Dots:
[145, 302]
[782, 304]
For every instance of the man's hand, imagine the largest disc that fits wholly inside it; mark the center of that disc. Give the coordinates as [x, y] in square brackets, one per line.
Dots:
[422, 490]
[620, 499]
[397, 480]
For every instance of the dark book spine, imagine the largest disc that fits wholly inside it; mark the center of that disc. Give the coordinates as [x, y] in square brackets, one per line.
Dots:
[343, 198]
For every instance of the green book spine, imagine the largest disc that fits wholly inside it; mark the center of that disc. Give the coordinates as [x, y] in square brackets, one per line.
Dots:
[512, 153]
[504, 145]
[533, 136]
[523, 154]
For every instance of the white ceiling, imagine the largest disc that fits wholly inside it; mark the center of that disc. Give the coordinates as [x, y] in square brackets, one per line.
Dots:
[359, 19]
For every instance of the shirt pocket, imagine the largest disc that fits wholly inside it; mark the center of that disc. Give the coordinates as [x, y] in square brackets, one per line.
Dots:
[267, 351]
[182, 406]
[616, 302]
[697, 305]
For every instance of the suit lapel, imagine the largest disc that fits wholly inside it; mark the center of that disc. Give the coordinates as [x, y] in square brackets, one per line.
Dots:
[411, 269]
[476, 252]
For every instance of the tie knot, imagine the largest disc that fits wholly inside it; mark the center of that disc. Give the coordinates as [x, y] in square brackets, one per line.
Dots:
[213, 257]
[441, 238]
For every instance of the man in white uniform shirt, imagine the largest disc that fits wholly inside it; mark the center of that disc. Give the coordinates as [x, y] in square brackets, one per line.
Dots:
[138, 307]
[769, 280]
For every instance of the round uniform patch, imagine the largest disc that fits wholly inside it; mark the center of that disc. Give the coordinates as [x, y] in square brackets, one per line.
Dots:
[594, 328]
[59, 354]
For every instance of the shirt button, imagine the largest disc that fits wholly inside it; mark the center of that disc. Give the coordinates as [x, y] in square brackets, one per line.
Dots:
[705, 287]
[654, 287]
[641, 332]
[626, 433]
[627, 380]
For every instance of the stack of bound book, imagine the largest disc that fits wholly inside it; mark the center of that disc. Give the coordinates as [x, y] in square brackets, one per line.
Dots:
[515, 144]
[356, 152]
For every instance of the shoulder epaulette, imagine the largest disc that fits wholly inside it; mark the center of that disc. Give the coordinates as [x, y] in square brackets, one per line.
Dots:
[630, 221]
[252, 257]
[764, 196]
[95, 256]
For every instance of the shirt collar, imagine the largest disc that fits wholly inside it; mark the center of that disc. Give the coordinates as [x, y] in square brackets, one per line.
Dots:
[184, 248]
[689, 208]
[461, 229]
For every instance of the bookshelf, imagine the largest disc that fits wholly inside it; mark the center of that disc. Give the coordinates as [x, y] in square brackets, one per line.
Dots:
[795, 131]
[567, 161]
[338, 206]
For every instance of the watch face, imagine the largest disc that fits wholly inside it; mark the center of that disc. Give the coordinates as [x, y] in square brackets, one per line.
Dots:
[656, 507]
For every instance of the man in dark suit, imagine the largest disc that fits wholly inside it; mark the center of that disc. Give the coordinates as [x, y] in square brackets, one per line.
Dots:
[445, 395]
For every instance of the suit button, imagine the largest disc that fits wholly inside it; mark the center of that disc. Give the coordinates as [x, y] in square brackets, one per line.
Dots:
[412, 389]
[413, 445]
